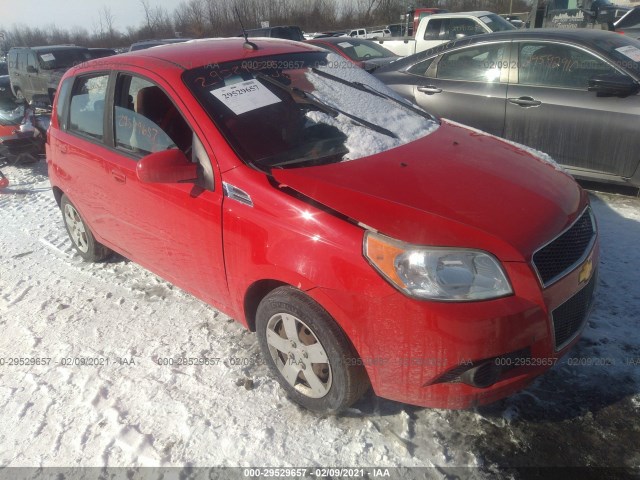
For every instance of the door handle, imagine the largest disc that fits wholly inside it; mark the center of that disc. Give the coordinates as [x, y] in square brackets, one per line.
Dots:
[118, 177]
[64, 148]
[429, 89]
[525, 101]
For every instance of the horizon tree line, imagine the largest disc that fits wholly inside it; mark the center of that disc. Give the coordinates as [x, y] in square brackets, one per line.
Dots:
[220, 18]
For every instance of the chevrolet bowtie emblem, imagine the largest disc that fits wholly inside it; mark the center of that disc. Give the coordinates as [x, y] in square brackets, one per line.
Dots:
[585, 271]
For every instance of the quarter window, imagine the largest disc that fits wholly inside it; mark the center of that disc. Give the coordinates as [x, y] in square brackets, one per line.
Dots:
[555, 65]
[483, 63]
[86, 111]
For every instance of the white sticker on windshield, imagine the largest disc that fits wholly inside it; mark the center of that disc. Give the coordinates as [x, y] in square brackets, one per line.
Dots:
[345, 45]
[48, 57]
[631, 52]
[486, 19]
[245, 96]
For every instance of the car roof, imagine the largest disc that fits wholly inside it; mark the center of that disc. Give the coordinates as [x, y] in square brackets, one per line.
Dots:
[585, 36]
[52, 48]
[475, 13]
[336, 40]
[198, 53]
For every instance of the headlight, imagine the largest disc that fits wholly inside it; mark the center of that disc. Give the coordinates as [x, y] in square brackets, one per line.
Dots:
[435, 273]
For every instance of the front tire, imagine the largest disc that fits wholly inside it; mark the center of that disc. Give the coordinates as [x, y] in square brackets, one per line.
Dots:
[83, 240]
[308, 352]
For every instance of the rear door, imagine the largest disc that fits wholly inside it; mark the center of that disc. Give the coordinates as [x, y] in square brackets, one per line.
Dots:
[549, 108]
[468, 85]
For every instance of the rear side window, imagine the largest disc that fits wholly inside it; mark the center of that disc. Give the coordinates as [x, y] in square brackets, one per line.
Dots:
[31, 62]
[22, 61]
[432, 32]
[86, 110]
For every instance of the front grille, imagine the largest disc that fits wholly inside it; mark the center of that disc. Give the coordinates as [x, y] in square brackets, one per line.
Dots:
[559, 257]
[569, 317]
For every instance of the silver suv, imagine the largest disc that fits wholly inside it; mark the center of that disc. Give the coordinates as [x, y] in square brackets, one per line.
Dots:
[35, 72]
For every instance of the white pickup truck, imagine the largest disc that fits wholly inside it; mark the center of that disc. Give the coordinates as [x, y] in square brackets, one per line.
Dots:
[444, 27]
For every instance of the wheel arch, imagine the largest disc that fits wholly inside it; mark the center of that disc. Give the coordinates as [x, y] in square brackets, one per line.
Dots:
[57, 194]
[254, 295]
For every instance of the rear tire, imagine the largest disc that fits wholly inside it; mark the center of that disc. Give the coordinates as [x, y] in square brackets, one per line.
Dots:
[309, 354]
[83, 240]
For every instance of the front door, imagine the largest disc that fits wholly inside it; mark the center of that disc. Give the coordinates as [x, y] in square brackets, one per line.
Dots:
[468, 85]
[550, 109]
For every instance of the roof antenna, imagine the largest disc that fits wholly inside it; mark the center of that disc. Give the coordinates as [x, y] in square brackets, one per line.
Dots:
[247, 44]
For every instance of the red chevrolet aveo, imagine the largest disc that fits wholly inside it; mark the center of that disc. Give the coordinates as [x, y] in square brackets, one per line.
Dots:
[366, 242]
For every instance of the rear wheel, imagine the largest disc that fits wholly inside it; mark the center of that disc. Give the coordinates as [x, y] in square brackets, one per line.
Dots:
[308, 353]
[83, 240]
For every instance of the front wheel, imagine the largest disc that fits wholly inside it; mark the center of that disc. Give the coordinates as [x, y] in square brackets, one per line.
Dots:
[83, 240]
[308, 353]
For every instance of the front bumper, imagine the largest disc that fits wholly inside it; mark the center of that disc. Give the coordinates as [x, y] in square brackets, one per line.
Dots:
[433, 353]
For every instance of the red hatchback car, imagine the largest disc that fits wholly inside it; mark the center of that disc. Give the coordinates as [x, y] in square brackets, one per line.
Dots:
[365, 241]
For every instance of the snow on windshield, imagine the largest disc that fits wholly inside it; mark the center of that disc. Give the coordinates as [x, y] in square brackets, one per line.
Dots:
[362, 141]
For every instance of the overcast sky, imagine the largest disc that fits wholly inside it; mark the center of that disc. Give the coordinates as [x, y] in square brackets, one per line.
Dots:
[69, 13]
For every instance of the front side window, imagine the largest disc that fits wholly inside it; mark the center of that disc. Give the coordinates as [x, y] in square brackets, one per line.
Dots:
[86, 110]
[145, 119]
[556, 65]
[483, 63]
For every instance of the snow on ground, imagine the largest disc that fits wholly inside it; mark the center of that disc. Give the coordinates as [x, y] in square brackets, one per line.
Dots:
[130, 411]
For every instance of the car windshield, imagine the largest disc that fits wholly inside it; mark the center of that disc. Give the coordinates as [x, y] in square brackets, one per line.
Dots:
[12, 117]
[360, 51]
[496, 23]
[625, 51]
[63, 58]
[304, 109]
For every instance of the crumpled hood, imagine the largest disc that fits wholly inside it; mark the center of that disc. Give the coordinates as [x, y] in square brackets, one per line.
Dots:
[455, 187]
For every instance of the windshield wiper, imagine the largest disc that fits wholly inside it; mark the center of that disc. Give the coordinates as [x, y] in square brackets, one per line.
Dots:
[333, 111]
[363, 87]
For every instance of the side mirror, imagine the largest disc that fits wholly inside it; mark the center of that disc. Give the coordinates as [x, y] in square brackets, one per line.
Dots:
[31, 69]
[613, 85]
[166, 166]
